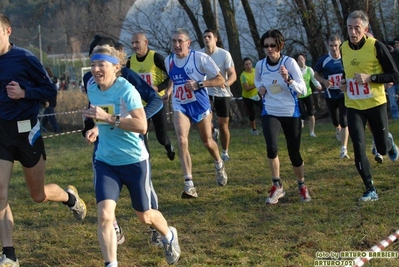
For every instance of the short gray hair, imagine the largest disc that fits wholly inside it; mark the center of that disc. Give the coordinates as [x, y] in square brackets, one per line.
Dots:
[359, 14]
[182, 31]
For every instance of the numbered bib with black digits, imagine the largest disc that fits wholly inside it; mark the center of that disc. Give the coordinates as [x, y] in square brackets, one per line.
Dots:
[357, 91]
[335, 79]
[183, 95]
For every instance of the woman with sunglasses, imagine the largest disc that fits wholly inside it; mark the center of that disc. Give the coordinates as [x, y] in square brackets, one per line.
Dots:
[279, 81]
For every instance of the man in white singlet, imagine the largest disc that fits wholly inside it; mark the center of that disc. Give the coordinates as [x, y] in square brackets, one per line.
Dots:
[187, 70]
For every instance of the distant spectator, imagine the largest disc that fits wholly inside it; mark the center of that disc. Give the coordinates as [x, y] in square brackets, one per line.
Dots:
[305, 101]
[250, 93]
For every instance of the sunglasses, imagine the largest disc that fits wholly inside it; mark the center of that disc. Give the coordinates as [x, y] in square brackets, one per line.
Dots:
[269, 45]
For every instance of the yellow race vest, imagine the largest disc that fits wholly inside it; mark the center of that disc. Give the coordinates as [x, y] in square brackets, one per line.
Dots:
[364, 60]
[148, 70]
[249, 78]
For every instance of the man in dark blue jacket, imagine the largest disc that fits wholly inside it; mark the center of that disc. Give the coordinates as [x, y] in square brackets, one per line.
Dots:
[24, 84]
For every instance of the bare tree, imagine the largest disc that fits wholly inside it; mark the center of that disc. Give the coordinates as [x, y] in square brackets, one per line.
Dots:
[313, 27]
[210, 20]
[233, 39]
[252, 27]
[194, 21]
[370, 8]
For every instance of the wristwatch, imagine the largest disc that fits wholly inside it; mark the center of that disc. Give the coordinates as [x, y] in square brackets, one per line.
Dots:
[373, 78]
[200, 84]
[117, 119]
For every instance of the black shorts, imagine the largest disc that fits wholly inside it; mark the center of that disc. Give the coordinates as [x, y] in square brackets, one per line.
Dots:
[221, 105]
[306, 107]
[26, 147]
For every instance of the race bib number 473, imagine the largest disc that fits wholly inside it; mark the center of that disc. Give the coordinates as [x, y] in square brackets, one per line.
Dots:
[356, 90]
[183, 95]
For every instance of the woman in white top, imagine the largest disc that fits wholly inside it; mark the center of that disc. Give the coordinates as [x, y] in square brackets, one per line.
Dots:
[279, 81]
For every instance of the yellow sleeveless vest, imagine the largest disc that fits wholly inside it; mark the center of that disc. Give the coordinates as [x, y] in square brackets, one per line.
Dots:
[363, 60]
[249, 78]
[148, 71]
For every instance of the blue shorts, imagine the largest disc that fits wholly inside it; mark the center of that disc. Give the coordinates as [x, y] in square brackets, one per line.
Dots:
[108, 182]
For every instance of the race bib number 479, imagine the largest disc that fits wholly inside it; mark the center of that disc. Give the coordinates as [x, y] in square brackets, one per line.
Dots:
[356, 90]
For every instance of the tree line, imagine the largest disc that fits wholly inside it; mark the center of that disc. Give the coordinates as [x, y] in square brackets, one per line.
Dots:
[306, 24]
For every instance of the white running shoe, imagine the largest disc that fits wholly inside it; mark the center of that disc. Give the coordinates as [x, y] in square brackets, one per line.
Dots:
[221, 176]
[172, 249]
[6, 262]
[275, 194]
[343, 154]
[304, 193]
[189, 192]
[225, 157]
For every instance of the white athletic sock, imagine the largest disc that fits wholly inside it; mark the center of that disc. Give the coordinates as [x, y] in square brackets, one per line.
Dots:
[168, 238]
[219, 165]
[189, 183]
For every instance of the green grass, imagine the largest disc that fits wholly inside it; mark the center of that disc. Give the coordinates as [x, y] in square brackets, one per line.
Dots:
[225, 226]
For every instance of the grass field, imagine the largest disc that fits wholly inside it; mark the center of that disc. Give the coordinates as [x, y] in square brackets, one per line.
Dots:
[225, 226]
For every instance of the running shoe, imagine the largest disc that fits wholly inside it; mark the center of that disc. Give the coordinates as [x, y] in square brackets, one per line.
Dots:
[343, 154]
[221, 176]
[275, 194]
[304, 193]
[369, 195]
[6, 262]
[170, 152]
[156, 238]
[379, 158]
[120, 237]
[79, 209]
[225, 157]
[393, 153]
[172, 249]
[189, 192]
